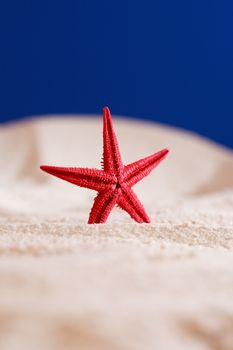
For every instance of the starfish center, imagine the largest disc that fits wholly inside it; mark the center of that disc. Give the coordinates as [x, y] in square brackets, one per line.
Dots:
[118, 184]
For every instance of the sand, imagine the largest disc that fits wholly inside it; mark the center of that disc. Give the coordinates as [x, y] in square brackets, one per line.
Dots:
[67, 285]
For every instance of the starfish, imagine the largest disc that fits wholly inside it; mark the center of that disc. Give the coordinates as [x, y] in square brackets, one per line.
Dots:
[115, 181]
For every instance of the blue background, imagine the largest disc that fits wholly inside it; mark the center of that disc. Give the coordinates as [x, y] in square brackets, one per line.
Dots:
[171, 61]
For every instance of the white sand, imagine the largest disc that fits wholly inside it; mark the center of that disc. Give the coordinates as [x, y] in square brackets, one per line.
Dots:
[66, 285]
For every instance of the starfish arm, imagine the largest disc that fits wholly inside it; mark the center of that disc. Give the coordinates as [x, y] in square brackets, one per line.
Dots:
[129, 202]
[112, 162]
[103, 204]
[94, 179]
[136, 171]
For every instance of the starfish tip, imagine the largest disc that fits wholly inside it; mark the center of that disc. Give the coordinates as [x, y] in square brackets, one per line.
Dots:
[106, 114]
[44, 168]
[106, 109]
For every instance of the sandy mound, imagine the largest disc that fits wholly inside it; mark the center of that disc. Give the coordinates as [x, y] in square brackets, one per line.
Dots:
[68, 285]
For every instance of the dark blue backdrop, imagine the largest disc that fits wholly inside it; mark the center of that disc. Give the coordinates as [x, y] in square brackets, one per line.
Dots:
[171, 61]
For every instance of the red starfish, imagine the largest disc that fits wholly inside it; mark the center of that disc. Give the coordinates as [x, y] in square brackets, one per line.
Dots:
[114, 182]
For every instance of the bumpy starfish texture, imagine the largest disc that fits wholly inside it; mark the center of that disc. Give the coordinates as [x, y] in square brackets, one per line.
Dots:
[114, 182]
